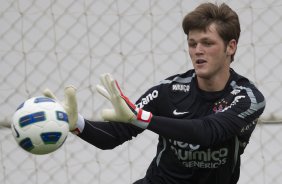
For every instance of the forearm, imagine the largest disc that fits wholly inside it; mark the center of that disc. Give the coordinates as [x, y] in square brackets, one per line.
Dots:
[205, 132]
[178, 129]
[107, 135]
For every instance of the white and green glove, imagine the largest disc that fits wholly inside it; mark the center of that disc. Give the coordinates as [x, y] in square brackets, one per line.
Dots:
[76, 122]
[123, 109]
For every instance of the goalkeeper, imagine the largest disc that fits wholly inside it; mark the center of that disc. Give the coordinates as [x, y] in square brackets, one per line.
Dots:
[204, 117]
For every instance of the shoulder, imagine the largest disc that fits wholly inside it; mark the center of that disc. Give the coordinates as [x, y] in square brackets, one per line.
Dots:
[177, 83]
[243, 99]
[183, 78]
[161, 92]
[242, 87]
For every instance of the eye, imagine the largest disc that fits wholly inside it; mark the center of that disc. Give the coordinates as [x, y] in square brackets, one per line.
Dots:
[192, 44]
[207, 43]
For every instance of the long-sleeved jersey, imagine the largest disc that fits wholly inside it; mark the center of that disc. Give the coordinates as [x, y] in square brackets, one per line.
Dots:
[201, 134]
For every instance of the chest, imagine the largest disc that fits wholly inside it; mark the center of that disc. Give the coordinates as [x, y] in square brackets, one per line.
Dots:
[193, 104]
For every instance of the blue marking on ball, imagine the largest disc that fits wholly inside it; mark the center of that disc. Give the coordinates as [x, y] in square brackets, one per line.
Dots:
[50, 137]
[26, 144]
[32, 118]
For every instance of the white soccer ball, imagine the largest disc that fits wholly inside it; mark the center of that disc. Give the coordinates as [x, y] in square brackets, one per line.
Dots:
[40, 125]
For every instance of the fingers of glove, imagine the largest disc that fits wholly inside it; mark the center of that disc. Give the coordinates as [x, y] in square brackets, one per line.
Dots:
[111, 85]
[105, 78]
[117, 91]
[114, 86]
[70, 98]
[101, 89]
[48, 93]
[70, 105]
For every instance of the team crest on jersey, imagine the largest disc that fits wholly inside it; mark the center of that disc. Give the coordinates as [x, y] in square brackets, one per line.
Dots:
[220, 105]
[228, 102]
[181, 87]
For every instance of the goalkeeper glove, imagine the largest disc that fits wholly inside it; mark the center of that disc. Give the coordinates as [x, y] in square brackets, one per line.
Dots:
[70, 106]
[123, 109]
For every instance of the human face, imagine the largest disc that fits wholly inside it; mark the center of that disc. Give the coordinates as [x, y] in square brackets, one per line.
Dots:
[210, 56]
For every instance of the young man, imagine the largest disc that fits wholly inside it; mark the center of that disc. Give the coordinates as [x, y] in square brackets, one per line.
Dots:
[204, 117]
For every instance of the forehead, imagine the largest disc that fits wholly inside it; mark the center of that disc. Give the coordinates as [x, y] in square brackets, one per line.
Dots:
[209, 33]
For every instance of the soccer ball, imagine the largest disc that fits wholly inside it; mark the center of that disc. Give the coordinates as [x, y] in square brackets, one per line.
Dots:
[40, 125]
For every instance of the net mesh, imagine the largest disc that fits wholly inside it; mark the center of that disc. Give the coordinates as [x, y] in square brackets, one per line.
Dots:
[56, 43]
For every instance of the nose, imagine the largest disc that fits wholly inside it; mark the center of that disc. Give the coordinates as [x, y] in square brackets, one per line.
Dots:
[199, 49]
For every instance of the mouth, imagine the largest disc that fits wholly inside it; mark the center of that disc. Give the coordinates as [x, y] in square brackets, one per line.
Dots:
[200, 61]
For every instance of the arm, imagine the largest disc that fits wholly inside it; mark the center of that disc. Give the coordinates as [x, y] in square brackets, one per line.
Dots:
[106, 135]
[238, 119]
[206, 131]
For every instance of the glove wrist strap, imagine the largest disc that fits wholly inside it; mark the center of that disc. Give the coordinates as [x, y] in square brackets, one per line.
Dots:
[79, 125]
[143, 118]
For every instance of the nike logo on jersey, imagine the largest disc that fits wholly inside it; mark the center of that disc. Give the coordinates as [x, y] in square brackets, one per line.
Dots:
[175, 112]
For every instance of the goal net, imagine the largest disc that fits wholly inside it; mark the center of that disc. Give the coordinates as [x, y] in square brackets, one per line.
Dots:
[54, 43]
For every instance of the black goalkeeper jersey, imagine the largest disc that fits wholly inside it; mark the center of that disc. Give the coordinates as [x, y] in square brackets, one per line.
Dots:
[201, 134]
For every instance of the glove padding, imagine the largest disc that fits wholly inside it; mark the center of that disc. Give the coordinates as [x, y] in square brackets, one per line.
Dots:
[69, 104]
[124, 110]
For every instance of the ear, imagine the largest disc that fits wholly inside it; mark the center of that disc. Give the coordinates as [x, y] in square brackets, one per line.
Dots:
[231, 47]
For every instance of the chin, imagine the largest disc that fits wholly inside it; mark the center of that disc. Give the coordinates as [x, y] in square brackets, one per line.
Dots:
[202, 74]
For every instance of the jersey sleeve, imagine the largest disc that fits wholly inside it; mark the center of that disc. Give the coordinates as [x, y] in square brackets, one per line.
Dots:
[107, 135]
[149, 101]
[237, 119]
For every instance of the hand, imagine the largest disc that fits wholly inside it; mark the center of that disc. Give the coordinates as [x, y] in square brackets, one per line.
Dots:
[124, 110]
[69, 104]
